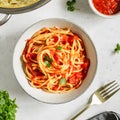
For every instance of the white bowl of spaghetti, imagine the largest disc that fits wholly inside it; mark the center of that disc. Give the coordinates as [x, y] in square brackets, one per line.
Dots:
[54, 61]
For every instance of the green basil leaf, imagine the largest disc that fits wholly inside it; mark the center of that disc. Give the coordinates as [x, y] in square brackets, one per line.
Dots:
[63, 81]
[46, 58]
[59, 48]
[47, 63]
[50, 60]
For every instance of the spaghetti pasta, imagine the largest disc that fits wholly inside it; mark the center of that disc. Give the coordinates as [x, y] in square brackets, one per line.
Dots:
[55, 60]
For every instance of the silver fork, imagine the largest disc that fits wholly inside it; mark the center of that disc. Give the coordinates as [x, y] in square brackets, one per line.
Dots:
[100, 96]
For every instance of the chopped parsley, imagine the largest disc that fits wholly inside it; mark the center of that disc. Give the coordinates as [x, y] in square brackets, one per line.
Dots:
[7, 106]
[117, 49]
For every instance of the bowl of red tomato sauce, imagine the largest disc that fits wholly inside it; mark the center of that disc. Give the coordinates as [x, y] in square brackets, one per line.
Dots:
[105, 8]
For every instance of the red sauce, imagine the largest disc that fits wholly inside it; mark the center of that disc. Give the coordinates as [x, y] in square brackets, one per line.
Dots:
[107, 7]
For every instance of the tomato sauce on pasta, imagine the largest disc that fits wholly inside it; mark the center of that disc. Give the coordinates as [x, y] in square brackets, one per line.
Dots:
[55, 60]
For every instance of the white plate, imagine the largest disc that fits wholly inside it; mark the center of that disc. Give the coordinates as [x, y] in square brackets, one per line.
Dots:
[38, 94]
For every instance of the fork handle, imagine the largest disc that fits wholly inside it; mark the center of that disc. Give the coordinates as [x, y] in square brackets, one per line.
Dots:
[85, 108]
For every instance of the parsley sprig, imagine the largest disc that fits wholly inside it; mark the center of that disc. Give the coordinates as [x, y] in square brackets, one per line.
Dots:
[70, 5]
[117, 49]
[7, 106]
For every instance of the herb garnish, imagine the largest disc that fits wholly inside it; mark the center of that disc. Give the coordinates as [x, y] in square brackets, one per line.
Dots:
[46, 58]
[117, 49]
[7, 106]
[70, 5]
[62, 81]
[48, 61]
[59, 48]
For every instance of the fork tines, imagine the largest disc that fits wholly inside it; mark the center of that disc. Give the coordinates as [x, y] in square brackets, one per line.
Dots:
[108, 90]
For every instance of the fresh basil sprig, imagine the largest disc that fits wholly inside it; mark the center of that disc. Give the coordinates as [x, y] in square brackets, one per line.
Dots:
[7, 106]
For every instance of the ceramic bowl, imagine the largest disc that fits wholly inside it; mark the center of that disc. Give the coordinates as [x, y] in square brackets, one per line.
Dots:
[39, 94]
[91, 4]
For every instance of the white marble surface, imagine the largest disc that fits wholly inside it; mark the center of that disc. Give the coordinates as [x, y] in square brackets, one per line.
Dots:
[105, 34]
